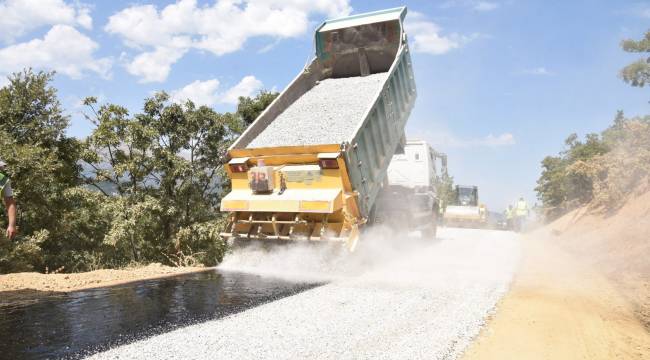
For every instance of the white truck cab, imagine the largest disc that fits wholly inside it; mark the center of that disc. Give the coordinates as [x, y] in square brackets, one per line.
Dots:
[408, 198]
[415, 168]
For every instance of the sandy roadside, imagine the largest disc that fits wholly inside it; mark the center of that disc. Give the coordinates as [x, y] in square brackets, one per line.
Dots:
[31, 285]
[560, 308]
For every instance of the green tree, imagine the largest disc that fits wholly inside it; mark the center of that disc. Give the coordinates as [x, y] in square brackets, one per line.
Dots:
[167, 161]
[140, 188]
[605, 168]
[638, 72]
[249, 108]
[42, 163]
[445, 189]
[567, 179]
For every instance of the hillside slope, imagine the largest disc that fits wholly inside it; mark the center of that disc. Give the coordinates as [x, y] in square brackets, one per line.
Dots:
[582, 291]
[617, 244]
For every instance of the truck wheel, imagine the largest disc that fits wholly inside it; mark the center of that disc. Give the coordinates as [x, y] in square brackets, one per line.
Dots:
[372, 216]
[431, 231]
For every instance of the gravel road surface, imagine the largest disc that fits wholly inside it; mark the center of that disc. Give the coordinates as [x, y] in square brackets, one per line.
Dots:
[326, 114]
[429, 302]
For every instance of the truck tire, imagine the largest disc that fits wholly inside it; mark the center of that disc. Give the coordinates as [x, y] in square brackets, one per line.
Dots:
[372, 216]
[432, 230]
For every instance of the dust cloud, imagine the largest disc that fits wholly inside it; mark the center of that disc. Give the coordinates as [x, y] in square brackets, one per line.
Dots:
[396, 297]
[383, 255]
[320, 261]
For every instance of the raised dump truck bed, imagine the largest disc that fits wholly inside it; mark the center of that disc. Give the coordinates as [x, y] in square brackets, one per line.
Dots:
[323, 115]
[325, 143]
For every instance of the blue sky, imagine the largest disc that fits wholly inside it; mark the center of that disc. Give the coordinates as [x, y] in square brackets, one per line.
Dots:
[501, 83]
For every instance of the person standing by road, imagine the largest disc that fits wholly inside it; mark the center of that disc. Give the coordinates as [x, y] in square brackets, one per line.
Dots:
[521, 213]
[509, 215]
[10, 203]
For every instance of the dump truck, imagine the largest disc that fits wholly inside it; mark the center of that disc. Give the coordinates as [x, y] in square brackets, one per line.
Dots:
[310, 167]
[466, 211]
[408, 199]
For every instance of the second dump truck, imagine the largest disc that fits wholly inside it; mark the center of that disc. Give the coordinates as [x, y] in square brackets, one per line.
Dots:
[310, 167]
[409, 198]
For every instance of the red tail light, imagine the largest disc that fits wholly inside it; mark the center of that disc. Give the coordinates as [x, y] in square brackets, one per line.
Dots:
[238, 168]
[328, 163]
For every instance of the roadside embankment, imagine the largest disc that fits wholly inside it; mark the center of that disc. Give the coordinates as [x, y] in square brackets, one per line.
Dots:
[582, 292]
[616, 243]
[32, 285]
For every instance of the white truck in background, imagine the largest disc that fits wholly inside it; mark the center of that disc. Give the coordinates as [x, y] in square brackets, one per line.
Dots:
[408, 199]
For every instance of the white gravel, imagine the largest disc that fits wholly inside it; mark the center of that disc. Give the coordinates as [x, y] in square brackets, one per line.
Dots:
[326, 114]
[429, 303]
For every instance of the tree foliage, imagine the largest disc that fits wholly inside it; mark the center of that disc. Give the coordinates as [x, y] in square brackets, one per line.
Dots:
[605, 168]
[42, 163]
[250, 108]
[638, 72]
[165, 164]
[445, 189]
[142, 187]
[564, 182]
[602, 170]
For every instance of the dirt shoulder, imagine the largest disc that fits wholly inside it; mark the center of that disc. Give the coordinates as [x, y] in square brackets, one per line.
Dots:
[561, 308]
[30, 286]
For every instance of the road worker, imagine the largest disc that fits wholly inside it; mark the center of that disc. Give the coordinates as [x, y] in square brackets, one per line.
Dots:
[510, 212]
[10, 203]
[521, 213]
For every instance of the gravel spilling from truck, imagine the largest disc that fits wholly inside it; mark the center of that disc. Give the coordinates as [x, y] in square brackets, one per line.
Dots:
[327, 114]
[426, 303]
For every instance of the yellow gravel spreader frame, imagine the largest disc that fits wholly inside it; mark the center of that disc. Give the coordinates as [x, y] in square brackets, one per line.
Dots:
[307, 203]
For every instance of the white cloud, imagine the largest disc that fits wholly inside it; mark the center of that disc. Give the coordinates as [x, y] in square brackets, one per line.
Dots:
[499, 140]
[476, 5]
[485, 6]
[200, 92]
[220, 28]
[207, 92]
[154, 65]
[18, 17]
[426, 38]
[445, 139]
[63, 49]
[248, 86]
[540, 71]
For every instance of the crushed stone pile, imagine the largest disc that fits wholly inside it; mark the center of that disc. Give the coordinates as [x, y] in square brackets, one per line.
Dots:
[327, 114]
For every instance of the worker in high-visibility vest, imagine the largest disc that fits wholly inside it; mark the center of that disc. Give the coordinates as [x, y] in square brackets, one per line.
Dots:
[441, 212]
[510, 212]
[521, 213]
[10, 203]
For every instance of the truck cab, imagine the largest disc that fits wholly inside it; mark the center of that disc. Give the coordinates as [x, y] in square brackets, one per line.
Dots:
[408, 200]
